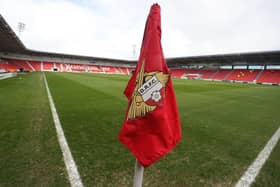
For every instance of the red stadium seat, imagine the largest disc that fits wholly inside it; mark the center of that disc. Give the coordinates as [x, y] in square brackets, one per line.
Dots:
[22, 64]
[178, 72]
[36, 65]
[94, 69]
[221, 74]
[109, 69]
[123, 70]
[243, 75]
[7, 66]
[207, 74]
[269, 76]
[77, 67]
[47, 66]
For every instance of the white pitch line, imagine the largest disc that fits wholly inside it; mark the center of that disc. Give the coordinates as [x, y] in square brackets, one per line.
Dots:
[73, 174]
[252, 172]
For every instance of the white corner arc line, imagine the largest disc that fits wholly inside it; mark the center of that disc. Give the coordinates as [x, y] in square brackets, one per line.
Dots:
[73, 174]
[252, 172]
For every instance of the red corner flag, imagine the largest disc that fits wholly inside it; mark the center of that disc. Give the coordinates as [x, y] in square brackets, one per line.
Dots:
[152, 126]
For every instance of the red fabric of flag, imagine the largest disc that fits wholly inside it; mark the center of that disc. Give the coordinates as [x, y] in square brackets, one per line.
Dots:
[152, 126]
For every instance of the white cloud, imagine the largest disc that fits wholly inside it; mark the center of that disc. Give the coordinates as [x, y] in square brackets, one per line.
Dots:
[110, 28]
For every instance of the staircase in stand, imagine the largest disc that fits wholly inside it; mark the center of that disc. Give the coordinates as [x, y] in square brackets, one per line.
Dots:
[227, 75]
[258, 76]
[28, 63]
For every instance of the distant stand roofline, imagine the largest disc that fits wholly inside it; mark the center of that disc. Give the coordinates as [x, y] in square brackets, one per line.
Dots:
[10, 43]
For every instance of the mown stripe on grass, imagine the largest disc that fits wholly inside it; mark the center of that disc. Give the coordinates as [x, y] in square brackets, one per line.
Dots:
[252, 172]
[102, 84]
[71, 167]
[218, 141]
[29, 151]
[91, 118]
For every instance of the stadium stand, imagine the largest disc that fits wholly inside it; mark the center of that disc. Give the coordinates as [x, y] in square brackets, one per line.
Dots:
[177, 72]
[110, 70]
[192, 74]
[28, 63]
[47, 66]
[207, 74]
[238, 75]
[269, 76]
[63, 67]
[221, 74]
[8, 67]
[77, 68]
[193, 71]
[243, 75]
[94, 69]
[131, 70]
[256, 66]
[123, 70]
[22, 64]
[56, 66]
[36, 65]
[2, 70]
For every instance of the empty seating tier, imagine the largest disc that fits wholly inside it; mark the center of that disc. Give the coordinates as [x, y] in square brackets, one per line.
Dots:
[243, 75]
[269, 76]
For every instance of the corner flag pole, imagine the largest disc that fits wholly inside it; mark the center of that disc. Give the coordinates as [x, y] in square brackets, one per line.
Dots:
[146, 133]
[138, 174]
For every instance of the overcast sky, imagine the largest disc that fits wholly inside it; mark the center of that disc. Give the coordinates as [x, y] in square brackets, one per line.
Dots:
[110, 28]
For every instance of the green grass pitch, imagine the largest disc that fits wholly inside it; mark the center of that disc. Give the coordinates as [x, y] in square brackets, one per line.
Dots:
[224, 126]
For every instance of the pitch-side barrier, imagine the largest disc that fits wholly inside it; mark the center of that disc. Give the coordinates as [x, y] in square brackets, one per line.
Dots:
[7, 75]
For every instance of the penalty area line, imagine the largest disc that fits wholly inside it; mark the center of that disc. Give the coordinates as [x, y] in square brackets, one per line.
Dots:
[252, 172]
[72, 171]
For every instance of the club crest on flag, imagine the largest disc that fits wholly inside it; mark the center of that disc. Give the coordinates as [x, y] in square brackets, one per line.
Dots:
[151, 126]
[148, 93]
